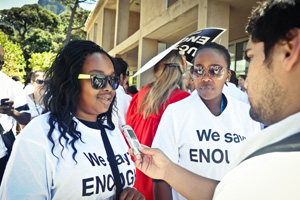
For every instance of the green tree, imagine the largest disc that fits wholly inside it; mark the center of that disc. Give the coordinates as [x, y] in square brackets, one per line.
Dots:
[37, 41]
[78, 23]
[41, 61]
[28, 17]
[14, 60]
[73, 6]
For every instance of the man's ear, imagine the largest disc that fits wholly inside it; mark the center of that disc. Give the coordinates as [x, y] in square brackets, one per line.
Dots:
[293, 49]
[121, 79]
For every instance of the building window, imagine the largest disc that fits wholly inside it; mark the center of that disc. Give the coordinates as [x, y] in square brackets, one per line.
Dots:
[237, 56]
[170, 3]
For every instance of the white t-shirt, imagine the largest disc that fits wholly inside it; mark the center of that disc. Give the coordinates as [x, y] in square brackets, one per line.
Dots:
[35, 109]
[269, 176]
[192, 137]
[232, 91]
[123, 101]
[29, 89]
[9, 89]
[33, 172]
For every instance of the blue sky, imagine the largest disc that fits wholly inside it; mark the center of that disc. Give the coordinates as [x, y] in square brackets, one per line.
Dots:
[7, 4]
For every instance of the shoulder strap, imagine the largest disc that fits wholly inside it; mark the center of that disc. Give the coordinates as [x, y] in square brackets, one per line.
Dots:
[112, 161]
[289, 144]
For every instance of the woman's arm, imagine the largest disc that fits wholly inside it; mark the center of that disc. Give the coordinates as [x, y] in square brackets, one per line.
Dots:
[161, 190]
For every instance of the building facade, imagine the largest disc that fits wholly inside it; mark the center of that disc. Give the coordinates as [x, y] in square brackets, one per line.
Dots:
[138, 30]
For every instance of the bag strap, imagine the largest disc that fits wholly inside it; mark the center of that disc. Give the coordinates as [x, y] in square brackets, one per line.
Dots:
[112, 161]
[1, 130]
[289, 144]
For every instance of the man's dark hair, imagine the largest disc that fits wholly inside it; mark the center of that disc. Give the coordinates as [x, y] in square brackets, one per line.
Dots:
[63, 90]
[15, 78]
[272, 20]
[243, 76]
[132, 90]
[233, 78]
[120, 66]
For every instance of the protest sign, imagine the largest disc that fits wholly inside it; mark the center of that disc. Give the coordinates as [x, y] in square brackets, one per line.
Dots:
[188, 45]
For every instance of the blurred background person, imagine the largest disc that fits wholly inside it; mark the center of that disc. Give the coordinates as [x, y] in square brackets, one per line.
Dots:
[122, 99]
[148, 105]
[18, 80]
[132, 90]
[231, 89]
[242, 79]
[35, 100]
[13, 103]
[28, 87]
[188, 82]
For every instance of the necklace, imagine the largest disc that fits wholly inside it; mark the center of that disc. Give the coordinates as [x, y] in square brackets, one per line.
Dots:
[35, 104]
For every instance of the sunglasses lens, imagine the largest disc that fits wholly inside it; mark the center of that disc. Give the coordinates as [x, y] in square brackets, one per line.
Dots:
[38, 81]
[114, 82]
[215, 72]
[99, 82]
[1, 62]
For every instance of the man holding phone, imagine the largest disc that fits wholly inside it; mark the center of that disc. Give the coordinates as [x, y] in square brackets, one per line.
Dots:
[13, 101]
[267, 165]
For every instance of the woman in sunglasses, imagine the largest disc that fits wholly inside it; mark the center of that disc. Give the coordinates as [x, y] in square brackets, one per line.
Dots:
[73, 151]
[147, 106]
[34, 100]
[200, 132]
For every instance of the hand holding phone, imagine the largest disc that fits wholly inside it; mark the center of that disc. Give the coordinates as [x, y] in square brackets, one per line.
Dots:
[4, 103]
[132, 139]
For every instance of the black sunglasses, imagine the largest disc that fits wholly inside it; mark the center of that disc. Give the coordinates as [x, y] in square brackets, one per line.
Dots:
[39, 81]
[1, 62]
[99, 81]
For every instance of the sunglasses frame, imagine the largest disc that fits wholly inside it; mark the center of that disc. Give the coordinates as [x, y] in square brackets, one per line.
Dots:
[209, 72]
[101, 77]
[173, 65]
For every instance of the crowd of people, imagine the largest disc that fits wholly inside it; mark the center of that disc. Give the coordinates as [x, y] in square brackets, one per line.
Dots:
[200, 126]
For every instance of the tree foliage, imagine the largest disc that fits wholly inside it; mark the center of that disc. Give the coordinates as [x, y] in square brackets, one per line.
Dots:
[28, 17]
[14, 60]
[41, 61]
[39, 31]
[73, 6]
[37, 41]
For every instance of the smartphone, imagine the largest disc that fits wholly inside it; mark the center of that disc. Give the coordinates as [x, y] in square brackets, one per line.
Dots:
[132, 139]
[3, 103]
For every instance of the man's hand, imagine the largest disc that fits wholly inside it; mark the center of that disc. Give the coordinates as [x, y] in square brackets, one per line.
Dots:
[152, 162]
[7, 109]
[131, 194]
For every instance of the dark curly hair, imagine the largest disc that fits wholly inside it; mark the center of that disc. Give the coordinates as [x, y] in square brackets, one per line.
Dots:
[272, 20]
[63, 90]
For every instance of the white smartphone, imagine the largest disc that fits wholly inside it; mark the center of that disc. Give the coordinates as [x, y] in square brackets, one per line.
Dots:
[132, 139]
